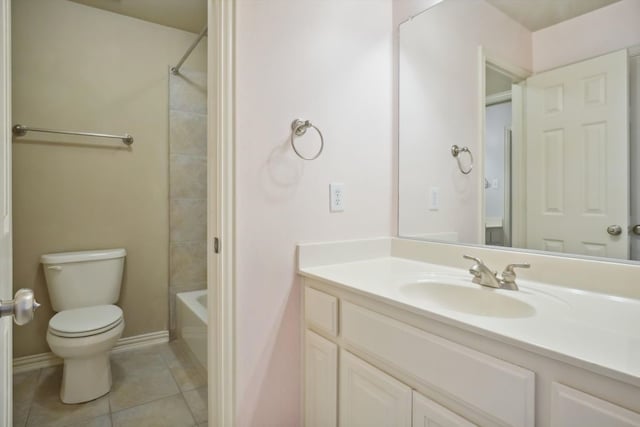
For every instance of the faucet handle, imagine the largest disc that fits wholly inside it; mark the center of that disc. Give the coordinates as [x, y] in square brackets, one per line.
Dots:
[472, 258]
[509, 275]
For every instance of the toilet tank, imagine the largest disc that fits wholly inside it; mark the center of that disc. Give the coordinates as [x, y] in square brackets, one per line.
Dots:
[85, 278]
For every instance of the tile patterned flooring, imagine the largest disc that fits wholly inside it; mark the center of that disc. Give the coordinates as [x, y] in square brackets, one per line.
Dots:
[156, 386]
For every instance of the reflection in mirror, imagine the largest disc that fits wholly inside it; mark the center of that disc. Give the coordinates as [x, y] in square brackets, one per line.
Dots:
[541, 93]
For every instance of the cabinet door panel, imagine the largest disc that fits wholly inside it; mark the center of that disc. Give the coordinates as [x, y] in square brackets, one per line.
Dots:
[321, 381]
[573, 408]
[371, 398]
[427, 413]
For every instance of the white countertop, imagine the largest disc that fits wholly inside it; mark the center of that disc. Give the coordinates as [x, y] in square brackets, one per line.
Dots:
[587, 329]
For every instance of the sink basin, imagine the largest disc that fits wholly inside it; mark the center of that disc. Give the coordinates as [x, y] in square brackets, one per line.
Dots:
[468, 298]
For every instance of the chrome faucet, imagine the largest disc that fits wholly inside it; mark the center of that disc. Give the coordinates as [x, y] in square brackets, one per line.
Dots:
[483, 275]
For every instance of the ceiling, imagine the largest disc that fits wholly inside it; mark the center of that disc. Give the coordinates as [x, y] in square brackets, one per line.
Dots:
[538, 14]
[188, 15]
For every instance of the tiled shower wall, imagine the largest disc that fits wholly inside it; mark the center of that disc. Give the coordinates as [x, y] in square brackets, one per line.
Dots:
[187, 185]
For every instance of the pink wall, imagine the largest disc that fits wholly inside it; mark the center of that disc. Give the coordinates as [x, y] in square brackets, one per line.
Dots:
[604, 30]
[330, 62]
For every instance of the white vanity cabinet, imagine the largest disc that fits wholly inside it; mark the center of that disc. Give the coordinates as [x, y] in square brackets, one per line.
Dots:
[371, 398]
[570, 407]
[427, 413]
[371, 363]
[321, 374]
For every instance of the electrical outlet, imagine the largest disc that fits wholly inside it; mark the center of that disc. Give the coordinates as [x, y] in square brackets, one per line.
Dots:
[434, 199]
[336, 195]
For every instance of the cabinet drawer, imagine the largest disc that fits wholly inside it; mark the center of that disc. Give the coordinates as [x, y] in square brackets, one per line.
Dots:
[497, 388]
[570, 407]
[321, 311]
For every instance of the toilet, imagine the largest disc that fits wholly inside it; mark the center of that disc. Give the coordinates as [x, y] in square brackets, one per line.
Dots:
[83, 288]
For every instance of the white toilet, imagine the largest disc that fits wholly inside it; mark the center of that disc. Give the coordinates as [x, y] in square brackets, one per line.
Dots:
[83, 286]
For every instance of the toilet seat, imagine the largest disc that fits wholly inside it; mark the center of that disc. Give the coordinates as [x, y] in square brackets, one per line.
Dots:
[86, 321]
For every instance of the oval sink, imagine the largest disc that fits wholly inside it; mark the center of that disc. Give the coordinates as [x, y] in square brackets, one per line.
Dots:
[480, 301]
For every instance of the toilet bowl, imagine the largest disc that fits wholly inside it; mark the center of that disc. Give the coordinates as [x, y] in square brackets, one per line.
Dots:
[83, 287]
[84, 338]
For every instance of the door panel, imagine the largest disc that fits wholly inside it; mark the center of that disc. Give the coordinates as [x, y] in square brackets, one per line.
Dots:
[577, 157]
[427, 413]
[321, 381]
[371, 398]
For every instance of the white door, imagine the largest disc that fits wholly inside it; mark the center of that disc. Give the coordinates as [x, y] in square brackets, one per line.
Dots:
[5, 212]
[371, 398]
[427, 413]
[321, 381]
[577, 120]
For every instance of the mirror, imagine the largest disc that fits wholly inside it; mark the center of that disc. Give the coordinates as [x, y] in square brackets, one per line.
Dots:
[518, 125]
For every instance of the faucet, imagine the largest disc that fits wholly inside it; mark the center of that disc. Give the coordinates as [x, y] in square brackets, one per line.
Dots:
[483, 275]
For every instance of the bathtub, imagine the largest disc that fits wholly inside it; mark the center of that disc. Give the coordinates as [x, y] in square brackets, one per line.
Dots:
[191, 309]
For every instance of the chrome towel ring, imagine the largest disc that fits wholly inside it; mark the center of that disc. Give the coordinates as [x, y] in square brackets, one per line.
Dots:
[455, 152]
[299, 128]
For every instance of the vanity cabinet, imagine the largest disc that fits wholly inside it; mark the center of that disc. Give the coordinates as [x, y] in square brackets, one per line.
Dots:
[371, 398]
[570, 407]
[371, 363]
[427, 413]
[321, 373]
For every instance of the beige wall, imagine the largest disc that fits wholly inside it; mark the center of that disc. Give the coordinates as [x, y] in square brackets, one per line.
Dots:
[77, 67]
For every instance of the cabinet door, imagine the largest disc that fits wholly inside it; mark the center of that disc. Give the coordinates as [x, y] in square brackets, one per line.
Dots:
[573, 408]
[371, 398]
[427, 413]
[321, 381]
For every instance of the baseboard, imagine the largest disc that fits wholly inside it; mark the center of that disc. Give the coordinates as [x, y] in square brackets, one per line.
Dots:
[45, 360]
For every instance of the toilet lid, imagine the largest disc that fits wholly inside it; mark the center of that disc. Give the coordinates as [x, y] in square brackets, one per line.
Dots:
[82, 322]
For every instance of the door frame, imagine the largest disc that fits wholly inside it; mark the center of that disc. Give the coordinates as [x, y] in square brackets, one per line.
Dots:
[221, 212]
[6, 377]
[517, 74]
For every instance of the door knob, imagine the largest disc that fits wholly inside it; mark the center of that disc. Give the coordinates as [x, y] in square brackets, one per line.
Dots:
[614, 230]
[21, 307]
[636, 229]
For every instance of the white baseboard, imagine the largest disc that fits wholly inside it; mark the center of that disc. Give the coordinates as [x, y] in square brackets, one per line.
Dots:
[44, 360]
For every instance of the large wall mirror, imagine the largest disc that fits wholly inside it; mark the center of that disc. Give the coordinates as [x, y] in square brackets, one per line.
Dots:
[519, 125]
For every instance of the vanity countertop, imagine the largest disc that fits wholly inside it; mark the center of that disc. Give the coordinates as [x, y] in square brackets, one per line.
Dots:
[591, 330]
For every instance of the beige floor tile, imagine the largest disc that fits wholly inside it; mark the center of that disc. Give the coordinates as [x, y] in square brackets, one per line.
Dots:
[20, 414]
[189, 377]
[141, 386]
[103, 421]
[24, 388]
[197, 402]
[48, 411]
[168, 412]
[187, 371]
[135, 362]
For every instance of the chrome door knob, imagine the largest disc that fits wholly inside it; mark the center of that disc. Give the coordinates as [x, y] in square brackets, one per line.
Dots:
[21, 307]
[636, 229]
[614, 230]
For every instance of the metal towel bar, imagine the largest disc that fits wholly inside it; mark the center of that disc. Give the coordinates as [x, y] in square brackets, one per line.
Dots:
[21, 130]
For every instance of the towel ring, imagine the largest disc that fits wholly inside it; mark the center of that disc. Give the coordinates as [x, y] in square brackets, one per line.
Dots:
[298, 128]
[455, 152]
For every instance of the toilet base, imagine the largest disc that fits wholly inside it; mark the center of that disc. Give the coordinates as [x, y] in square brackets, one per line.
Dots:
[86, 374]
[85, 379]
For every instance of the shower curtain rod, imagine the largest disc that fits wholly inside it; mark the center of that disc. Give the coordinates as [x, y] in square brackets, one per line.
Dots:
[176, 69]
